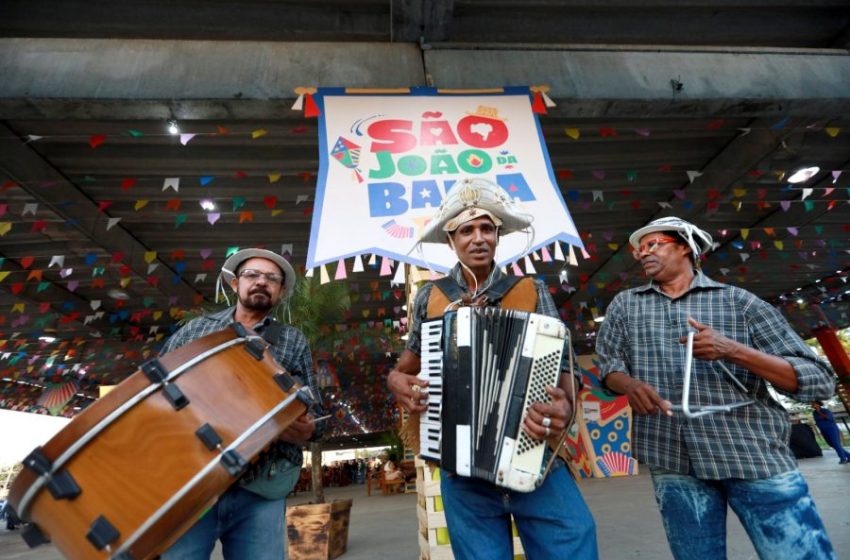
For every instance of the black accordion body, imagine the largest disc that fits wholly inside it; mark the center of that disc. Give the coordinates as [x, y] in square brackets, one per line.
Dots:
[485, 368]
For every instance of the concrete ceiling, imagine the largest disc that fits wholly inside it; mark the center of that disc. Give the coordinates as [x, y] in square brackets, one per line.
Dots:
[743, 93]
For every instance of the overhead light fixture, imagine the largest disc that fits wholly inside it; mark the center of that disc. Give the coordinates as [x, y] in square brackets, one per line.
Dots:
[172, 126]
[800, 301]
[118, 294]
[599, 318]
[804, 174]
[208, 204]
[47, 339]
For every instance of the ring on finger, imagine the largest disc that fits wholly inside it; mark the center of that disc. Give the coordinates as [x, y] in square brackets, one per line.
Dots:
[546, 422]
[547, 431]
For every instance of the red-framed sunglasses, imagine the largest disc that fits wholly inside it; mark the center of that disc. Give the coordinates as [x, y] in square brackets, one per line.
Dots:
[652, 245]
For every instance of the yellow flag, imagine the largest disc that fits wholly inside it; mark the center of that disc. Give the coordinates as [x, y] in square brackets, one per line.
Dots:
[274, 177]
[19, 307]
[5, 227]
[573, 133]
[3, 275]
[832, 131]
[745, 233]
[124, 282]
[150, 256]
[141, 203]
[259, 133]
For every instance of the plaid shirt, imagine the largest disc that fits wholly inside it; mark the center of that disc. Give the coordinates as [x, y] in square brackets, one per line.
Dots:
[291, 351]
[545, 304]
[640, 337]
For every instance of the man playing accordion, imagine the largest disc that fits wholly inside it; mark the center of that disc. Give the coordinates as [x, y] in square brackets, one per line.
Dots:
[553, 521]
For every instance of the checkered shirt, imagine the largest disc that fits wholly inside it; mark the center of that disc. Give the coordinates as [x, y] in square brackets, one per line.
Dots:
[640, 337]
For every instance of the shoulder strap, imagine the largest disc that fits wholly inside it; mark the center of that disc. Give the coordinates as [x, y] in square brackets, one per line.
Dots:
[522, 295]
[439, 297]
[513, 293]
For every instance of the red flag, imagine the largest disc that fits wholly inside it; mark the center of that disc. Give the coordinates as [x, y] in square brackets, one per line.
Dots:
[537, 105]
[310, 107]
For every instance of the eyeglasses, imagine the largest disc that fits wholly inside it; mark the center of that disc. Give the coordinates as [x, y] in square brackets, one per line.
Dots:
[253, 275]
[652, 245]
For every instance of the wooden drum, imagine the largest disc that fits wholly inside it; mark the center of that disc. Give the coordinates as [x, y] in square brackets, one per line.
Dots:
[135, 470]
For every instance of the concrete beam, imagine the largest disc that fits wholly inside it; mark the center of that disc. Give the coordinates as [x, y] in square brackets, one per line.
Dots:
[104, 69]
[206, 79]
[595, 82]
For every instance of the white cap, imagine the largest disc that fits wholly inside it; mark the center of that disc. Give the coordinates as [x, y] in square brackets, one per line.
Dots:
[698, 240]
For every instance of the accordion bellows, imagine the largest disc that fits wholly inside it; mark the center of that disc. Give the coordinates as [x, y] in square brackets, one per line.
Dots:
[485, 368]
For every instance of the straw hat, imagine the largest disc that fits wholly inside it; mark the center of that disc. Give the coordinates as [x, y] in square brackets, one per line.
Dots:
[475, 197]
[231, 265]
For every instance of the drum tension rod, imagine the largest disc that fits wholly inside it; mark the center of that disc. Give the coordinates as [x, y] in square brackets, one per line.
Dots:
[209, 437]
[33, 536]
[60, 483]
[233, 462]
[284, 380]
[253, 345]
[230, 459]
[102, 533]
[156, 373]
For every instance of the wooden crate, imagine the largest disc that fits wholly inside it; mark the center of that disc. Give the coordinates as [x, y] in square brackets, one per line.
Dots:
[318, 531]
[434, 541]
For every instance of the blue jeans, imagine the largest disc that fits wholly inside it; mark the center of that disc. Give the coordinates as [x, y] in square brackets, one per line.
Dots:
[553, 521]
[248, 525]
[777, 512]
[833, 438]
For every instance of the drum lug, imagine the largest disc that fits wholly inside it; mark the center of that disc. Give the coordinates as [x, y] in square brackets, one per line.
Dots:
[233, 462]
[305, 395]
[208, 436]
[33, 536]
[154, 371]
[284, 380]
[241, 332]
[63, 486]
[102, 533]
[256, 348]
[37, 462]
[175, 396]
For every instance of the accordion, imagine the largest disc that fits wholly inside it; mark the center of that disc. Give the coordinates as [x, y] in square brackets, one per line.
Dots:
[485, 368]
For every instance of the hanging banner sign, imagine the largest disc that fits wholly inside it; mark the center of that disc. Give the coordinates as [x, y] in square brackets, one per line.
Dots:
[387, 162]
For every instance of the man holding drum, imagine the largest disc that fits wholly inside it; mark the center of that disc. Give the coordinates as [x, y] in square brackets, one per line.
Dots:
[553, 520]
[249, 517]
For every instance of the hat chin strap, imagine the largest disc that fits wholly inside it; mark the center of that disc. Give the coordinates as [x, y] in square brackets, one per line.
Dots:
[475, 292]
[219, 286]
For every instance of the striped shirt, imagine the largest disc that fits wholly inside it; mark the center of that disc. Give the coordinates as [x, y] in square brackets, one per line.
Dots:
[291, 351]
[640, 337]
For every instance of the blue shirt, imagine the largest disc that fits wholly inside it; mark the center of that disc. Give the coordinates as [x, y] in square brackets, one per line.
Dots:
[640, 337]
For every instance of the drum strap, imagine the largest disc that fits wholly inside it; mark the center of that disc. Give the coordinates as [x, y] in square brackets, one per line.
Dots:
[271, 332]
